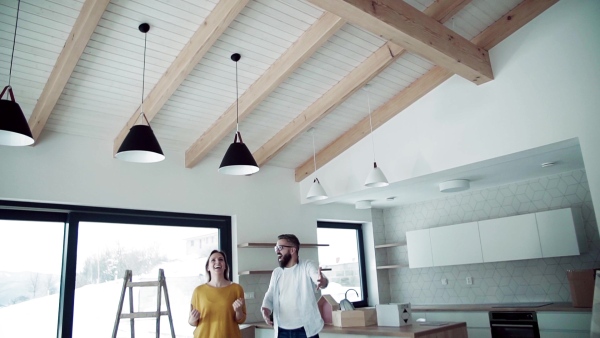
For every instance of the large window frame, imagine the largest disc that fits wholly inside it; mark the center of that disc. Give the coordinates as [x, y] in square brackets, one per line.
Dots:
[71, 216]
[361, 255]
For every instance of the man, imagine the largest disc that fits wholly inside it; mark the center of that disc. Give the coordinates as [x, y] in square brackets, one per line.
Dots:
[291, 294]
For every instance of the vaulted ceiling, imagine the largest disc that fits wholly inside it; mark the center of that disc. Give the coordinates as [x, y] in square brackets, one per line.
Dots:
[78, 67]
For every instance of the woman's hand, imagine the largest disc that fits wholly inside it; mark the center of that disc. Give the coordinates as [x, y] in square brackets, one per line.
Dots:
[194, 318]
[238, 307]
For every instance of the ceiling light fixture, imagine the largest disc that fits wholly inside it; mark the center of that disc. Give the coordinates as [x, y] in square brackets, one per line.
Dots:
[140, 145]
[316, 191]
[454, 185]
[376, 177]
[14, 129]
[548, 164]
[238, 159]
[363, 204]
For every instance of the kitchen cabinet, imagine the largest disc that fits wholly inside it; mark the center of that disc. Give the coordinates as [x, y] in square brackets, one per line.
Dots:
[387, 246]
[561, 232]
[418, 243]
[456, 244]
[510, 238]
[564, 324]
[271, 246]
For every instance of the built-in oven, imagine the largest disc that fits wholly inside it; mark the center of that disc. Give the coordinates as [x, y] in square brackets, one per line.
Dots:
[520, 324]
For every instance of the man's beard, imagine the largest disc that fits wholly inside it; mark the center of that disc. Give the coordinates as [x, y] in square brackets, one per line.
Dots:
[285, 259]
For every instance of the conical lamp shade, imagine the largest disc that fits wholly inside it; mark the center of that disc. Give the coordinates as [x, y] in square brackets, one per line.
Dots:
[140, 146]
[14, 130]
[238, 159]
[316, 192]
[376, 178]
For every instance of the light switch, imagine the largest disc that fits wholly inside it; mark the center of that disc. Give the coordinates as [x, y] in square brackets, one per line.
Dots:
[444, 281]
[469, 280]
[249, 295]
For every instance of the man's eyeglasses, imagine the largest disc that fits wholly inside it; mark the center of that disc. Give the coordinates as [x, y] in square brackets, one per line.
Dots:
[280, 247]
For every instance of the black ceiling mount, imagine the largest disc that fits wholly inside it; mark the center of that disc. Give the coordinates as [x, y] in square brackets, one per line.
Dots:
[144, 28]
[236, 57]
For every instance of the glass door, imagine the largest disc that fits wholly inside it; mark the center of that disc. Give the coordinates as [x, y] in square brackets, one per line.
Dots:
[106, 250]
[30, 274]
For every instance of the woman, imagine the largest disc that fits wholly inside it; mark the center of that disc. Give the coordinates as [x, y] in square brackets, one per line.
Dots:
[217, 306]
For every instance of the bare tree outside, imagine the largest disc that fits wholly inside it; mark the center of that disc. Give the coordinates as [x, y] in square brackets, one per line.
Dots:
[34, 283]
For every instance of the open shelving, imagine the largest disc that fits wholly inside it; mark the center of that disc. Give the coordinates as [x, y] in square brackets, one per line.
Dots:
[390, 245]
[270, 246]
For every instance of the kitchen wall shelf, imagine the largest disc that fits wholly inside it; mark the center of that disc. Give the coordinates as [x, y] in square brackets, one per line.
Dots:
[271, 245]
[385, 267]
[264, 272]
[390, 245]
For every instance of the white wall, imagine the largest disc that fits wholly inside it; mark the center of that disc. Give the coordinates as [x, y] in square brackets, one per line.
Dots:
[73, 170]
[546, 89]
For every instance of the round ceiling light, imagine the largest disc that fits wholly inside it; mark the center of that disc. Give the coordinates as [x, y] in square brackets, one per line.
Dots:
[454, 185]
[363, 204]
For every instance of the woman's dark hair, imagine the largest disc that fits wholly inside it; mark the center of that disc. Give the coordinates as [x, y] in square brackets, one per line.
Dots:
[292, 239]
[226, 274]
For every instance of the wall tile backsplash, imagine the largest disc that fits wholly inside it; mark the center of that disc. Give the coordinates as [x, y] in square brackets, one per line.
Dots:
[532, 280]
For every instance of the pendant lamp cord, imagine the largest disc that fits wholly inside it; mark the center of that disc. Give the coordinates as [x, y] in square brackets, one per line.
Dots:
[237, 107]
[144, 81]
[14, 41]
[314, 152]
[371, 124]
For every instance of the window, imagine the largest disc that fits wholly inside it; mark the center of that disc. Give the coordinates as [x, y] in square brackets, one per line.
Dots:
[346, 259]
[80, 254]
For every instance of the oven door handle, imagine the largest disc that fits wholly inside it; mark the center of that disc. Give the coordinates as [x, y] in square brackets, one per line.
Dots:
[512, 325]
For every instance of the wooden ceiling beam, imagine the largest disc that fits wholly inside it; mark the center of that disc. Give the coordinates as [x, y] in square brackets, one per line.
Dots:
[441, 10]
[82, 30]
[490, 37]
[203, 39]
[281, 69]
[415, 31]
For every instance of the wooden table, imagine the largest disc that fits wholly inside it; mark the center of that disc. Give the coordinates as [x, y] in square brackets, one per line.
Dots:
[445, 330]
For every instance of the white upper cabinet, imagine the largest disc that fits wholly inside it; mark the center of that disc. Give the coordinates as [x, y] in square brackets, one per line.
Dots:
[456, 244]
[510, 238]
[418, 245]
[561, 232]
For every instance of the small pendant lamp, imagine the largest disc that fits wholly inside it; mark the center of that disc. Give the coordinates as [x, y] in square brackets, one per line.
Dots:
[376, 177]
[14, 129]
[140, 145]
[238, 159]
[316, 191]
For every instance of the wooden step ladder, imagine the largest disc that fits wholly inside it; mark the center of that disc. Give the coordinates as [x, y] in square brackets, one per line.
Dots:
[128, 284]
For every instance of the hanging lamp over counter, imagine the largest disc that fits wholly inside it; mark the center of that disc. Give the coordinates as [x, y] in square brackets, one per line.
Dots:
[376, 177]
[316, 191]
[238, 159]
[140, 145]
[14, 129]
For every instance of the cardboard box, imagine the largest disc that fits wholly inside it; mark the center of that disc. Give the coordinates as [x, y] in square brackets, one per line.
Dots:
[394, 314]
[359, 317]
[327, 305]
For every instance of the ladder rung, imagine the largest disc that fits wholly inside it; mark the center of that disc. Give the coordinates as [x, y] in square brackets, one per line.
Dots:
[153, 314]
[150, 283]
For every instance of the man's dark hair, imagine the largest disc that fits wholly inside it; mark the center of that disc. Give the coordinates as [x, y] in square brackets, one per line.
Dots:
[292, 239]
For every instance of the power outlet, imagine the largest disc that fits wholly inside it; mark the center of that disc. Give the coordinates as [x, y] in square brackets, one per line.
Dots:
[249, 295]
[469, 280]
[444, 281]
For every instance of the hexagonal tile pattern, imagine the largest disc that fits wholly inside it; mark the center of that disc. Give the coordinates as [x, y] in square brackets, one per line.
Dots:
[516, 281]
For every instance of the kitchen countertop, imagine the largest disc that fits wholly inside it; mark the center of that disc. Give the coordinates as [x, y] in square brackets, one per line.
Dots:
[554, 306]
[448, 329]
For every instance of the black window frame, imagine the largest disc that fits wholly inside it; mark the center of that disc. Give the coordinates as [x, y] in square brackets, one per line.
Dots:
[71, 215]
[362, 267]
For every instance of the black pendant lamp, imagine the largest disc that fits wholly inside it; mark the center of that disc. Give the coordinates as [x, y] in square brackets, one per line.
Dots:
[140, 144]
[238, 159]
[14, 129]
